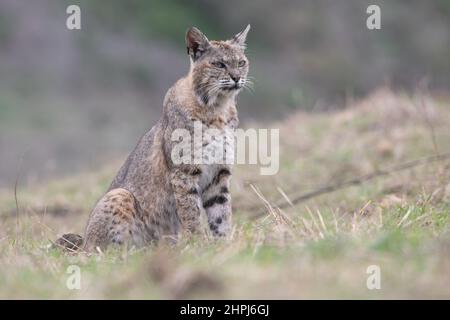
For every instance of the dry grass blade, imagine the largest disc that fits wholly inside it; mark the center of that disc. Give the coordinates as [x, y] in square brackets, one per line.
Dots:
[314, 223]
[405, 217]
[322, 222]
[265, 201]
[285, 196]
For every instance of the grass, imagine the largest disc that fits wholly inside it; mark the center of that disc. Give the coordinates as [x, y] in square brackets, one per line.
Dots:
[320, 248]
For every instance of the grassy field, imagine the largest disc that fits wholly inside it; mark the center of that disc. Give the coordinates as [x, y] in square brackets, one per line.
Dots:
[319, 248]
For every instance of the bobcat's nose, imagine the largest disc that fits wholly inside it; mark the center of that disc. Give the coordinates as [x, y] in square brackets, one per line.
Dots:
[235, 78]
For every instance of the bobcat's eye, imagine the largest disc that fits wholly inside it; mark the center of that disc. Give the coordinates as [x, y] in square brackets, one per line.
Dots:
[218, 64]
[241, 63]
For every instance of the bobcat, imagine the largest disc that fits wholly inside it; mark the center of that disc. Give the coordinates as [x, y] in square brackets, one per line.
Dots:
[152, 197]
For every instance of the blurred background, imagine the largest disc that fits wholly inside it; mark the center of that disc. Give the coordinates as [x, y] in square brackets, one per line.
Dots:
[72, 99]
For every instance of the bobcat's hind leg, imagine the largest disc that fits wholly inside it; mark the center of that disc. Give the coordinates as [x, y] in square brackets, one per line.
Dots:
[114, 220]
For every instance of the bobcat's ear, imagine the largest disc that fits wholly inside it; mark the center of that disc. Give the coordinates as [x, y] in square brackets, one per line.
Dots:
[197, 43]
[240, 38]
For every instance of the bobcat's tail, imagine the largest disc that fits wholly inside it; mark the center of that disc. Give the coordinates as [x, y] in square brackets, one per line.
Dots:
[70, 241]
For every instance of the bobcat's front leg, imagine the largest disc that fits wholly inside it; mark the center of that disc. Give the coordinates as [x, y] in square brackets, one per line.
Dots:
[217, 203]
[184, 181]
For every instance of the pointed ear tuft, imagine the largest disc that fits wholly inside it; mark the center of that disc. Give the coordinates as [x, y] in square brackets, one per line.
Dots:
[240, 38]
[197, 43]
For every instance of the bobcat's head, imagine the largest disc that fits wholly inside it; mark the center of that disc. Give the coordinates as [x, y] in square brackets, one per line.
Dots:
[219, 68]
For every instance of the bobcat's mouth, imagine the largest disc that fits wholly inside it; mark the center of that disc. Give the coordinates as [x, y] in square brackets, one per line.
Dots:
[235, 86]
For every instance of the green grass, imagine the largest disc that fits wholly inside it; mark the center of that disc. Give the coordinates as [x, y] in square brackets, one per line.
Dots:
[316, 249]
